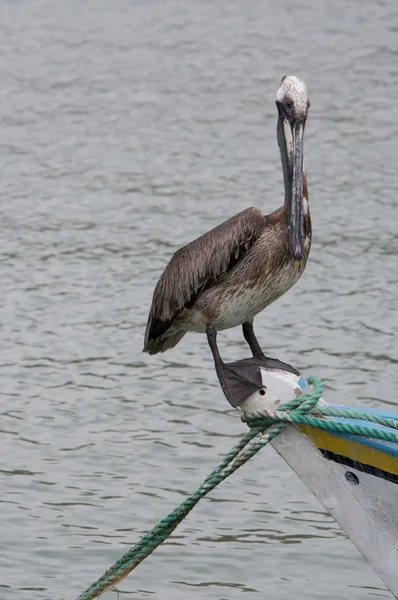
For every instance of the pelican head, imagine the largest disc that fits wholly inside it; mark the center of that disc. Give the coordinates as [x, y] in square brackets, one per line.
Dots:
[293, 102]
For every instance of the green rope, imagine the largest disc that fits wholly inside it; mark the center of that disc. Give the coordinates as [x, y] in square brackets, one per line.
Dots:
[301, 411]
[348, 413]
[266, 418]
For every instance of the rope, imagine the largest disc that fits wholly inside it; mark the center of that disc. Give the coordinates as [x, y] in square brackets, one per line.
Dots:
[301, 411]
[267, 417]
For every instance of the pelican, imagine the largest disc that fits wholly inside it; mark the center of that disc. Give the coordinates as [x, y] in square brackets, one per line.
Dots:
[230, 274]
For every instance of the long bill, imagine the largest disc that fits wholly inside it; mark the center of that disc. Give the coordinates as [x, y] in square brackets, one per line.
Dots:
[290, 139]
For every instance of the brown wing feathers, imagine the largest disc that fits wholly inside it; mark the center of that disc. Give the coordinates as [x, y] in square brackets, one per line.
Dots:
[198, 264]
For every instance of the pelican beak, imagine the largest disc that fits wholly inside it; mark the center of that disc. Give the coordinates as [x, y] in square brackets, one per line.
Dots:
[291, 139]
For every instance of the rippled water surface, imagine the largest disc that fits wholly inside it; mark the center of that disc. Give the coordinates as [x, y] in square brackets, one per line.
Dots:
[127, 129]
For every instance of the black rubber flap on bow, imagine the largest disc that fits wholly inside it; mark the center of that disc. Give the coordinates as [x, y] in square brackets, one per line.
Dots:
[240, 379]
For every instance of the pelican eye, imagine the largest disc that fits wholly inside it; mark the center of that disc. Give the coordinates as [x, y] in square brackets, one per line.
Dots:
[261, 392]
[289, 104]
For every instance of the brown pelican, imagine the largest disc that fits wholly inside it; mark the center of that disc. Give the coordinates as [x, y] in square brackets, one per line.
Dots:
[230, 274]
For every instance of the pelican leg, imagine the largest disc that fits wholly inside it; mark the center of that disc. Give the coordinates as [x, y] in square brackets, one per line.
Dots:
[211, 333]
[239, 379]
[249, 335]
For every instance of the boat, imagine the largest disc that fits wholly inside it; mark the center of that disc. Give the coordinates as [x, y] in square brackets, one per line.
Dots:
[354, 477]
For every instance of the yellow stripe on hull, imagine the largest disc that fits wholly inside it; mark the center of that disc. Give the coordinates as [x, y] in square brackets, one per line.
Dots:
[351, 449]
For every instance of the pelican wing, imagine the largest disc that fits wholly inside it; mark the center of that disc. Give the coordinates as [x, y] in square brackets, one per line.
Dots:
[196, 265]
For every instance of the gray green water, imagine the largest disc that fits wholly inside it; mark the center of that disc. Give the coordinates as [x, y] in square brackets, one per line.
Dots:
[127, 129]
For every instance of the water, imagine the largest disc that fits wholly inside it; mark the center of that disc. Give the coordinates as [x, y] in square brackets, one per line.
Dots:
[126, 130]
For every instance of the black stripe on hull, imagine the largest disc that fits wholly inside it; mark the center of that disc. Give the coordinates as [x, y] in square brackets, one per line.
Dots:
[355, 464]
